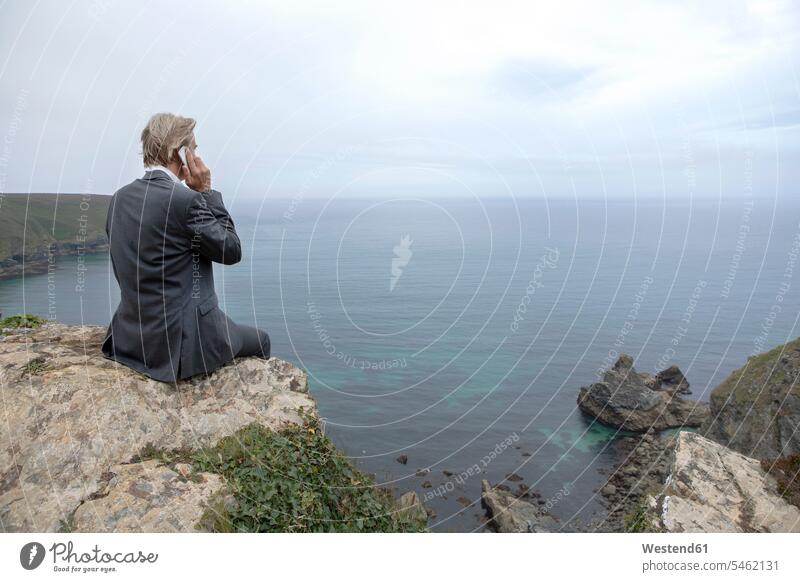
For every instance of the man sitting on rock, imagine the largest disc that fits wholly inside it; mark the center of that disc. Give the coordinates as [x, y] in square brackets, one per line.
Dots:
[163, 237]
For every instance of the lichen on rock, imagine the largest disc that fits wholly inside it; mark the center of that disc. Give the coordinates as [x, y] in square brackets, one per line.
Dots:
[148, 497]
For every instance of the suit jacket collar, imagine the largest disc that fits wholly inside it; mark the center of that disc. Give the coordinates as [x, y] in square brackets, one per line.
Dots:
[160, 172]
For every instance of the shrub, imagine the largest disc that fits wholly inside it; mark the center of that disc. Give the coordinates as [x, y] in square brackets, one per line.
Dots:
[23, 321]
[295, 480]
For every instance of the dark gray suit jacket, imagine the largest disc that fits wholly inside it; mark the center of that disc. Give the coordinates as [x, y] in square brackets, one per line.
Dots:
[163, 238]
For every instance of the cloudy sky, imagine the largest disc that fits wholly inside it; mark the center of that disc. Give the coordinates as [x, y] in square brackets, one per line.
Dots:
[530, 99]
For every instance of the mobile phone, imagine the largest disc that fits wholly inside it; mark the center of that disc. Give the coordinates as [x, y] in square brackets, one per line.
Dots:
[182, 154]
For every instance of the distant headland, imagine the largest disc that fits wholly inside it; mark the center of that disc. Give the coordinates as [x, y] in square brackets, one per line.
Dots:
[36, 228]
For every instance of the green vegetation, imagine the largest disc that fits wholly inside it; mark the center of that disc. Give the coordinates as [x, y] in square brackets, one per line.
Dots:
[170, 457]
[66, 525]
[43, 219]
[295, 480]
[24, 321]
[786, 471]
[167, 457]
[770, 368]
[34, 367]
[640, 520]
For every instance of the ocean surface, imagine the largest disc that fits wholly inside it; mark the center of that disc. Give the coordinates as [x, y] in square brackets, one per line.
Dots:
[457, 332]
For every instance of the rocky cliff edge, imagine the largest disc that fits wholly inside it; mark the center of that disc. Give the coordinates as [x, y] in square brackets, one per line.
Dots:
[75, 426]
[712, 488]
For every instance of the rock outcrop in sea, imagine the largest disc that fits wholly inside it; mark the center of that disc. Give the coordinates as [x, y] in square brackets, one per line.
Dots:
[77, 425]
[510, 513]
[634, 401]
[737, 474]
[712, 488]
[756, 410]
[673, 379]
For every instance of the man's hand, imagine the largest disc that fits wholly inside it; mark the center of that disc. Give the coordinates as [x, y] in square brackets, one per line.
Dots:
[196, 173]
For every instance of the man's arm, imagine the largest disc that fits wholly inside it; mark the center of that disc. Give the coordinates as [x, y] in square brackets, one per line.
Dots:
[211, 228]
[207, 220]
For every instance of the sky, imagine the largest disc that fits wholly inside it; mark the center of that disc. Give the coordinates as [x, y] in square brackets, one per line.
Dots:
[318, 99]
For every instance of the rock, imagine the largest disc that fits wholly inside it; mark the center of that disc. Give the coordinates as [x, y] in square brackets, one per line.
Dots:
[82, 415]
[427, 484]
[714, 489]
[147, 497]
[623, 400]
[522, 490]
[510, 514]
[422, 472]
[640, 474]
[624, 362]
[756, 410]
[448, 473]
[411, 506]
[183, 469]
[465, 501]
[609, 490]
[673, 379]
[513, 477]
[402, 459]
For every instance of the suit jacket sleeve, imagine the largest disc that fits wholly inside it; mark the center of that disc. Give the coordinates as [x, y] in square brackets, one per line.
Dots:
[211, 228]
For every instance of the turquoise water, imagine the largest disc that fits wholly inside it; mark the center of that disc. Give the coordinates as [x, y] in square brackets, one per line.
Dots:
[495, 314]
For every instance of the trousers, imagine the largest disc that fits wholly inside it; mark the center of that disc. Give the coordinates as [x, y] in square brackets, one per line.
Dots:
[255, 342]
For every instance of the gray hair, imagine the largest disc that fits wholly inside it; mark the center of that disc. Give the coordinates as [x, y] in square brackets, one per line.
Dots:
[164, 134]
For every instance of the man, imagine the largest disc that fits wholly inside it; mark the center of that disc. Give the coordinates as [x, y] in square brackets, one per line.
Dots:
[163, 237]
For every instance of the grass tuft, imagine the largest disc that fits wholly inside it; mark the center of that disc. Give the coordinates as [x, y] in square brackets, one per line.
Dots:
[640, 519]
[35, 367]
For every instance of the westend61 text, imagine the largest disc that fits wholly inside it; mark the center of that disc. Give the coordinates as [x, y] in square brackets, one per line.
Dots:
[675, 549]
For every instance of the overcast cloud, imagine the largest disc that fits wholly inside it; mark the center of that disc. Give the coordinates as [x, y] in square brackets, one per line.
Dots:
[552, 98]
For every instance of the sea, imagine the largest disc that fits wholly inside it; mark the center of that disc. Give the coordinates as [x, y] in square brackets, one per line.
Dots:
[457, 332]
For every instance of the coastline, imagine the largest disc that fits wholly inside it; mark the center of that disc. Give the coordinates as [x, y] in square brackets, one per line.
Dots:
[190, 455]
[40, 261]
